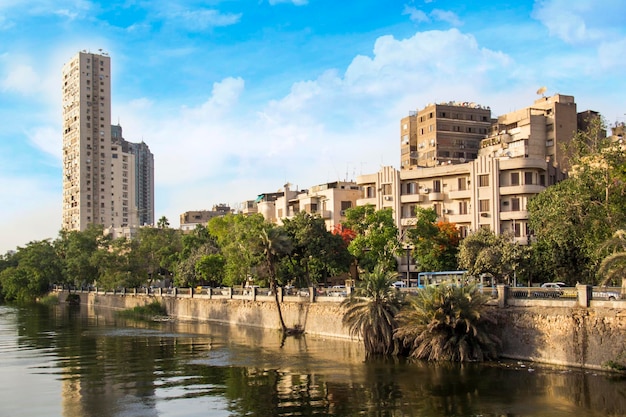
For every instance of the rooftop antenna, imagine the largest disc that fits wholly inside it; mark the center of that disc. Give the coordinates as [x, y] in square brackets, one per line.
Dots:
[541, 91]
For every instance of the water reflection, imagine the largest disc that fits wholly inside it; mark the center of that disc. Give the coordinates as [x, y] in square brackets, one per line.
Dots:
[88, 362]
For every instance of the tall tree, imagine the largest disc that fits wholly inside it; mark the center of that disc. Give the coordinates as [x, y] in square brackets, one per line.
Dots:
[237, 237]
[371, 309]
[275, 244]
[317, 253]
[78, 250]
[484, 252]
[376, 239]
[436, 243]
[158, 251]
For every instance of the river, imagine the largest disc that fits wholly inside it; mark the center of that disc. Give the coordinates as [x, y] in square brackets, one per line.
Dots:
[80, 362]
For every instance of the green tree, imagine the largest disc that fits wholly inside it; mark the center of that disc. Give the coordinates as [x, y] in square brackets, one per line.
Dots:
[484, 252]
[613, 266]
[189, 272]
[436, 243]
[118, 266]
[371, 309]
[237, 237]
[573, 218]
[317, 253]
[78, 250]
[448, 323]
[163, 223]
[376, 239]
[157, 252]
[275, 244]
[210, 269]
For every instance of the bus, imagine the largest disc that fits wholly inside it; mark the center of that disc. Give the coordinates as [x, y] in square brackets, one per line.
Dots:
[425, 279]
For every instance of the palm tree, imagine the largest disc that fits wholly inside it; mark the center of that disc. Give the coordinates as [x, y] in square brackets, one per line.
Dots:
[448, 323]
[371, 311]
[614, 265]
[163, 223]
[275, 243]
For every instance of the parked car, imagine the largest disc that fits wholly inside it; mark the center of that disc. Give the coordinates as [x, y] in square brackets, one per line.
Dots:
[550, 290]
[399, 284]
[603, 293]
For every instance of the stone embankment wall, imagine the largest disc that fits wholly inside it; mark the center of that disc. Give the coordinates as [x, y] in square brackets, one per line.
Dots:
[571, 335]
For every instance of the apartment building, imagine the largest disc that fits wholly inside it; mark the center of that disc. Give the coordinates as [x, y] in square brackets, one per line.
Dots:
[444, 133]
[190, 219]
[106, 179]
[329, 201]
[518, 159]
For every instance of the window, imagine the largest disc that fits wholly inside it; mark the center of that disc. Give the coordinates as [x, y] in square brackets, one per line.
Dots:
[436, 186]
[517, 230]
[345, 205]
[437, 208]
[386, 189]
[514, 178]
[462, 207]
[542, 180]
[528, 178]
[483, 206]
[515, 204]
[370, 192]
[462, 184]
[483, 180]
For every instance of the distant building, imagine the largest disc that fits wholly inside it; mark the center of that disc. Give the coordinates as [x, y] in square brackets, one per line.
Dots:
[190, 219]
[445, 133]
[101, 170]
[329, 201]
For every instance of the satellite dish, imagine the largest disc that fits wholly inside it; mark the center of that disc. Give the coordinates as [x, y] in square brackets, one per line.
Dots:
[542, 90]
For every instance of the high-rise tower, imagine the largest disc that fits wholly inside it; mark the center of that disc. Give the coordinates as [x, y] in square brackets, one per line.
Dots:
[87, 141]
[106, 180]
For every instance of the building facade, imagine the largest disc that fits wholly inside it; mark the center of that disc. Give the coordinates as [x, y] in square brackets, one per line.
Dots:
[190, 219]
[101, 170]
[445, 133]
[518, 157]
[329, 201]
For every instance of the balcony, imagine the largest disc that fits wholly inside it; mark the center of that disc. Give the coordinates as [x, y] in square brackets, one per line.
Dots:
[412, 198]
[521, 189]
[435, 196]
[514, 215]
[460, 194]
[460, 218]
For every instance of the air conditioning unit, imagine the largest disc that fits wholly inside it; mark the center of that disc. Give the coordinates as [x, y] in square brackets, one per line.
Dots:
[342, 213]
[387, 197]
[446, 211]
[484, 214]
[426, 190]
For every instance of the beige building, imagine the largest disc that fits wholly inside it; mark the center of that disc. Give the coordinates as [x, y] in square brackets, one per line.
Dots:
[190, 219]
[445, 133]
[518, 160]
[329, 201]
[100, 168]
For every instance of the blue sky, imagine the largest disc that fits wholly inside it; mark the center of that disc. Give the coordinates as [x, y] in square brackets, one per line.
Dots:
[236, 98]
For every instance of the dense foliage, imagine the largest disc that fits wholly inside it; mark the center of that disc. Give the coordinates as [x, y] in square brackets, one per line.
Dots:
[371, 310]
[435, 242]
[448, 323]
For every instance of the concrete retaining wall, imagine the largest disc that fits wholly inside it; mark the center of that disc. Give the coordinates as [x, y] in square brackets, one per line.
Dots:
[567, 335]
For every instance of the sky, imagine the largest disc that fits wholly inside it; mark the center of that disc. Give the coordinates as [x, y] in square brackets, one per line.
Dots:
[236, 98]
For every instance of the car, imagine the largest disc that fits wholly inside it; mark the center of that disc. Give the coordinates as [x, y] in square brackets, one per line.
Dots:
[338, 291]
[399, 284]
[550, 290]
[603, 293]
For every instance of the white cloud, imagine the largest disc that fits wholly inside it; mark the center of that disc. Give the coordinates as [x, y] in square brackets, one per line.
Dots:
[31, 210]
[419, 16]
[48, 139]
[21, 79]
[415, 15]
[295, 2]
[446, 16]
[581, 21]
[203, 19]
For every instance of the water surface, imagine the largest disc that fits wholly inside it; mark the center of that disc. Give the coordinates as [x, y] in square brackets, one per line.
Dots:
[80, 362]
